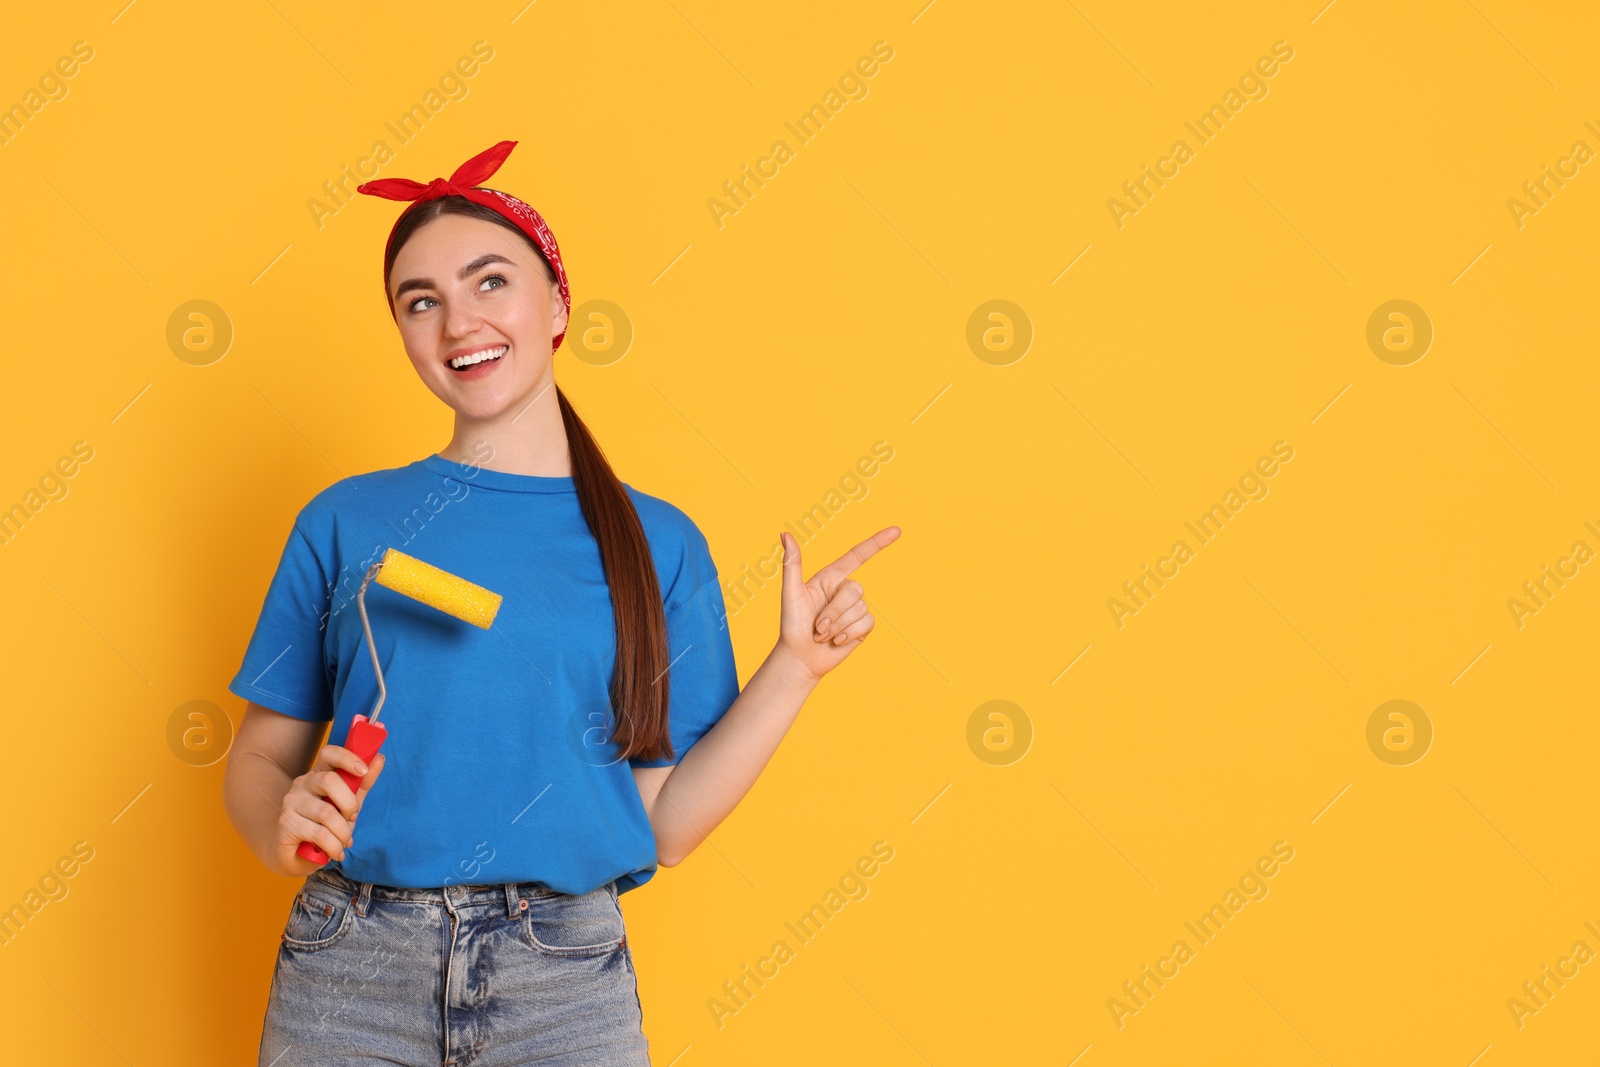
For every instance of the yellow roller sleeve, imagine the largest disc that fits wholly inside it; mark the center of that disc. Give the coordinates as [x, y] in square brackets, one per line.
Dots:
[439, 589]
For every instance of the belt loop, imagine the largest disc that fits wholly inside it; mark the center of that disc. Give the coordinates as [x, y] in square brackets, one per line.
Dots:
[513, 901]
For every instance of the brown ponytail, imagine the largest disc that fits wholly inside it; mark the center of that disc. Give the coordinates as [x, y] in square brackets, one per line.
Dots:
[640, 681]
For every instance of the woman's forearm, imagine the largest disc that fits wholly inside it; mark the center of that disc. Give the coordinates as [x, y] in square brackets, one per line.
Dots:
[249, 787]
[719, 769]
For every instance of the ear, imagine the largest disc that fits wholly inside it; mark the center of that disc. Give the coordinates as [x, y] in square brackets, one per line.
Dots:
[558, 312]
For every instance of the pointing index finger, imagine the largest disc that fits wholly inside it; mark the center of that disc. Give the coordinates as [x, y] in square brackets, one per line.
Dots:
[845, 564]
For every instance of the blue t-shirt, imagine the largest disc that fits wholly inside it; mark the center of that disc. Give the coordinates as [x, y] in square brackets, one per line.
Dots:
[500, 768]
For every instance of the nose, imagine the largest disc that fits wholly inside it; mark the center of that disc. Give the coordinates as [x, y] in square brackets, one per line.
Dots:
[462, 321]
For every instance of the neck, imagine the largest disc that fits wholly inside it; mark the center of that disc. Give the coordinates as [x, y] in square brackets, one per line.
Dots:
[530, 441]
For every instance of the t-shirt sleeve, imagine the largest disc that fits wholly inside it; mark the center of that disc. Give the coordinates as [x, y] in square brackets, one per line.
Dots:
[283, 665]
[702, 678]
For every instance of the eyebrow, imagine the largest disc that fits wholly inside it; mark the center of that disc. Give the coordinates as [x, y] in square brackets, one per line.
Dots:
[476, 265]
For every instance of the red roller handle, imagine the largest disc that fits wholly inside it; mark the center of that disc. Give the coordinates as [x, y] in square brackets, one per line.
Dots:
[364, 739]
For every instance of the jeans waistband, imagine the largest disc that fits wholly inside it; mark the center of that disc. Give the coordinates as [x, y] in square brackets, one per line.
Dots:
[360, 893]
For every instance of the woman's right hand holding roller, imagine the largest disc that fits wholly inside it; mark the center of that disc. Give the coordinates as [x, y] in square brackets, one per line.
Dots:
[305, 815]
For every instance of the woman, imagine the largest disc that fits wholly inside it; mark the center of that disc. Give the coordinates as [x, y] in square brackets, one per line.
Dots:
[541, 769]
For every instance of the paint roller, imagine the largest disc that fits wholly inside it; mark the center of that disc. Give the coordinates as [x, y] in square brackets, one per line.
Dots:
[429, 585]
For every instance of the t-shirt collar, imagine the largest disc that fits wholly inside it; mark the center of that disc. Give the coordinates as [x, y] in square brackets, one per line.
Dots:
[485, 478]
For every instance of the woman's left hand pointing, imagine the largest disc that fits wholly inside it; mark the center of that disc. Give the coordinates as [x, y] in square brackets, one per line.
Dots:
[825, 619]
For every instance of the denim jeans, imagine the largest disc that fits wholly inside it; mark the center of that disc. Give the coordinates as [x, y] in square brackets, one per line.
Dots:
[481, 975]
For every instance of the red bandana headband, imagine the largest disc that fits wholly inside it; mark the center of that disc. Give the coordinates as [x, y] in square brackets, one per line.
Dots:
[462, 183]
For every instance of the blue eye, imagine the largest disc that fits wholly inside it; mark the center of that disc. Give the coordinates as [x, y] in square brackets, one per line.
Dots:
[412, 307]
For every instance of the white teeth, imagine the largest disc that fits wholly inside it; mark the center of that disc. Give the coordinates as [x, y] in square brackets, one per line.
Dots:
[478, 357]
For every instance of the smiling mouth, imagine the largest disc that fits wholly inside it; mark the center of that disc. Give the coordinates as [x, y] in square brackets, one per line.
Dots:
[488, 355]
